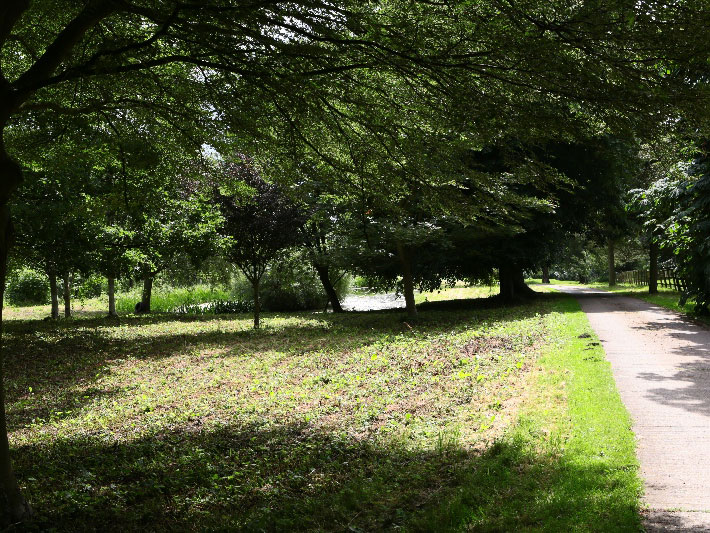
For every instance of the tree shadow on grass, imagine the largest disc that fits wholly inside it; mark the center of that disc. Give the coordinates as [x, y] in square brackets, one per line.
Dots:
[296, 477]
[274, 476]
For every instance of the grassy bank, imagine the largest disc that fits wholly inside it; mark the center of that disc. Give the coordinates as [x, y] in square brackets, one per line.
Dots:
[569, 463]
[474, 416]
[163, 299]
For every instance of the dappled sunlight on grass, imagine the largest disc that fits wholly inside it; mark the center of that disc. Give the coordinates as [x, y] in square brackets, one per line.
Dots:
[317, 421]
[368, 382]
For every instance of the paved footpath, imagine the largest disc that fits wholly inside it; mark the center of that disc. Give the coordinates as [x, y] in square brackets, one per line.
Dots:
[661, 364]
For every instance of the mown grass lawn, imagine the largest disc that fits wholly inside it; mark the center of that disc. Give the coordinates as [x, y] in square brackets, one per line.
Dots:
[475, 417]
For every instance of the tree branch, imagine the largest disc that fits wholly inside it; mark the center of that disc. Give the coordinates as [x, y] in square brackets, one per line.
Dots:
[62, 46]
[10, 13]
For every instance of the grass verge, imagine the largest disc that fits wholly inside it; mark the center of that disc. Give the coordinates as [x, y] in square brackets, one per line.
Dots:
[569, 462]
[667, 298]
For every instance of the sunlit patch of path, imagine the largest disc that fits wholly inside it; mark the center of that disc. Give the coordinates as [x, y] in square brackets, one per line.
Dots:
[661, 365]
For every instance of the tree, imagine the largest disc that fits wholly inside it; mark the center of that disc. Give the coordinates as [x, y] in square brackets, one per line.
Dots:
[54, 231]
[258, 224]
[658, 204]
[319, 241]
[675, 212]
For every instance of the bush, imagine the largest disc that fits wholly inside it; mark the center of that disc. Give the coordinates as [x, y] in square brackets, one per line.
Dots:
[292, 285]
[27, 287]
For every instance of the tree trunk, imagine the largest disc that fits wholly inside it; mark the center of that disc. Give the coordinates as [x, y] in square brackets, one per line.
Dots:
[521, 288]
[67, 295]
[407, 280]
[512, 283]
[257, 303]
[653, 268]
[505, 283]
[112, 296]
[324, 276]
[545, 274]
[147, 292]
[612, 263]
[13, 506]
[54, 293]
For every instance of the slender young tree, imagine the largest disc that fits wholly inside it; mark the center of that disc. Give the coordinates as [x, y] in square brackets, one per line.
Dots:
[258, 223]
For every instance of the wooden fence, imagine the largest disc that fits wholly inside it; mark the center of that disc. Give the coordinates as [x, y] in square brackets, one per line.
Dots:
[666, 278]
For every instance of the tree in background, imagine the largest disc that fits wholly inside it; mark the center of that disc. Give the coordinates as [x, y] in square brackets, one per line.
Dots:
[259, 221]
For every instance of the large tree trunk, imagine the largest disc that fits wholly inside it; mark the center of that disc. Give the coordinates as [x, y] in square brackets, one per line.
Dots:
[653, 268]
[67, 295]
[112, 296]
[505, 283]
[54, 293]
[519, 286]
[545, 274]
[512, 283]
[407, 280]
[13, 506]
[257, 303]
[324, 276]
[612, 263]
[147, 292]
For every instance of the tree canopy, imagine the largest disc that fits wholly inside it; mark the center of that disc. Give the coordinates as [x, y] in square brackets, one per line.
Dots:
[432, 140]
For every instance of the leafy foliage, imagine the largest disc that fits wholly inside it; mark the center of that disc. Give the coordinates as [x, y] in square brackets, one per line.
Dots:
[27, 287]
[256, 227]
[689, 232]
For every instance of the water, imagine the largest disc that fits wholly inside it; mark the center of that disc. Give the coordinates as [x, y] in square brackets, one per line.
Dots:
[372, 302]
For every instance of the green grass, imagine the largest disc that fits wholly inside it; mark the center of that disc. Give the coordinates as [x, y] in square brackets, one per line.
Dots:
[457, 293]
[163, 300]
[569, 463]
[476, 416]
[538, 281]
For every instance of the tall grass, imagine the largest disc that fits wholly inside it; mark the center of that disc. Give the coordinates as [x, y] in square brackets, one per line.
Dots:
[166, 299]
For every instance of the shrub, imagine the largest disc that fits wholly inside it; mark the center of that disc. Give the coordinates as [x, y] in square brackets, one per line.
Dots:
[292, 285]
[27, 287]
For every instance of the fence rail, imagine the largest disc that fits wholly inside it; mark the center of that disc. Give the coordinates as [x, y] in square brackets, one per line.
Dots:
[666, 278]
